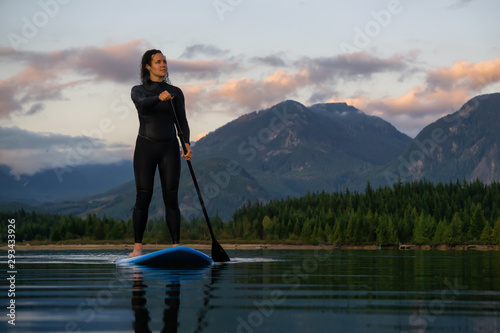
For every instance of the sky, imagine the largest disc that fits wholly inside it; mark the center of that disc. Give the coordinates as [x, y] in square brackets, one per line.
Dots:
[67, 66]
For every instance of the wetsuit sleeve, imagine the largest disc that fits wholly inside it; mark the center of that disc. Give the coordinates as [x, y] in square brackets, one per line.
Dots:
[180, 110]
[142, 102]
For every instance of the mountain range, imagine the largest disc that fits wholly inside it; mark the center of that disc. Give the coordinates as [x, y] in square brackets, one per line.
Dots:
[49, 186]
[290, 149]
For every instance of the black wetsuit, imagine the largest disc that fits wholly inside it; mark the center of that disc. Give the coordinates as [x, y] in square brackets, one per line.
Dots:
[157, 145]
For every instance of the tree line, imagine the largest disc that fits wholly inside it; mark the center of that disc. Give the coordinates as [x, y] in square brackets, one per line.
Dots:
[56, 228]
[407, 213]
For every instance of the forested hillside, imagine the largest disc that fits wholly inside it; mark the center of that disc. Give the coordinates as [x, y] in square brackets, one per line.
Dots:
[409, 213]
[414, 213]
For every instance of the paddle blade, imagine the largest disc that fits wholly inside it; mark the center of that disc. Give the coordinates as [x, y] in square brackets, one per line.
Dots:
[218, 253]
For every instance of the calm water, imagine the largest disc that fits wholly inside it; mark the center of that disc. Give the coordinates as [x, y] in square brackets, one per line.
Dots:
[259, 291]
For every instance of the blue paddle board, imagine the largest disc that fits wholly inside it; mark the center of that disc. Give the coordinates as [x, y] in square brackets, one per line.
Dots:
[174, 257]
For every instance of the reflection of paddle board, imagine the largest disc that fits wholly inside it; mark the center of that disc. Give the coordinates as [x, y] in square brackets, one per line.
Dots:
[174, 257]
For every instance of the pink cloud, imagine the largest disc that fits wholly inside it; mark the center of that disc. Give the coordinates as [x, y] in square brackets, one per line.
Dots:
[8, 103]
[465, 75]
[446, 89]
[256, 94]
[419, 102]
[45, 74]
[119, 63]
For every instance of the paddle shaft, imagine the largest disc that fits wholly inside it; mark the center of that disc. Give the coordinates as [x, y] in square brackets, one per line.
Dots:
[217, 251]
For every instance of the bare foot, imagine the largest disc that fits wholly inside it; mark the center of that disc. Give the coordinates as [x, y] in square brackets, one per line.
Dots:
[135, 254]
[177, 244]
[137, 250]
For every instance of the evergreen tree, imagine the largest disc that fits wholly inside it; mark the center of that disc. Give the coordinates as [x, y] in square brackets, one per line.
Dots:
[307, 231]
[117, 231]
[495, 234]
[423, 231]
[392, 233]
[99, 233]
[440, 234]
[486, 234]
[338, 237]
[456, 233]
[382, 234]
[268, 225]
[350, 229]
[328, 232]
[55, 235]
[478, 221]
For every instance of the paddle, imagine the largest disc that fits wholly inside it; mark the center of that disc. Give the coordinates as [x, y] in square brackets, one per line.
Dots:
[218, 253]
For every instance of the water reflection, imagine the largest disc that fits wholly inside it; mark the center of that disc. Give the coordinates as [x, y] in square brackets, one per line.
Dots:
[262, 291]
[172, 298]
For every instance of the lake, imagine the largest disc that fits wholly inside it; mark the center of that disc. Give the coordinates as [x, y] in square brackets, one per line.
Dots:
[258, 291]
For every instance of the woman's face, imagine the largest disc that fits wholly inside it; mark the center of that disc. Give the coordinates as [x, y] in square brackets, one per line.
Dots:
[158, 67]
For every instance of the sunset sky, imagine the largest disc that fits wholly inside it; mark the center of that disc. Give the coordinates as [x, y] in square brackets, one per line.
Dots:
[67, 67]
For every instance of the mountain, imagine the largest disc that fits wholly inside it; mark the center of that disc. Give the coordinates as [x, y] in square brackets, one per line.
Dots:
[49, 186]
[290, 149]
[286, 150]
[464, 145]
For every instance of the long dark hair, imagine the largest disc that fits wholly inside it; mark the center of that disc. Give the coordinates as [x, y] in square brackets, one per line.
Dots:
[146, 60]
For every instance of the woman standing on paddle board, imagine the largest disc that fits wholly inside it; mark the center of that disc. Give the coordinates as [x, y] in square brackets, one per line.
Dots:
[157, 145]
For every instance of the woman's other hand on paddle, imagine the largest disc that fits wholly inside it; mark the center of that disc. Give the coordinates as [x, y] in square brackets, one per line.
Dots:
[188, 154]
[165, 96]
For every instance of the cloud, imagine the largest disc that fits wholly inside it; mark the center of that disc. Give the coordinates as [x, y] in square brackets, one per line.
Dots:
[272, 60]
[465, 75]
[111, 63]
[351, 67]
[27, 152]
[200, 136]
[116, 63]
[8, 103]
[203, 49]
[45, 75]
[420, 102]
[35, 108]
[249, 93]
[460, 3]
[444, 91]
[14, 138]
[201, 69]
[238, 95]
[320, 74]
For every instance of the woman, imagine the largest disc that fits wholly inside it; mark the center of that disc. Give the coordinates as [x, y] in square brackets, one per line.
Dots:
[157, 145]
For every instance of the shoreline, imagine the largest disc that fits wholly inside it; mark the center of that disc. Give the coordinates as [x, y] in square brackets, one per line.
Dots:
[234, 246]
